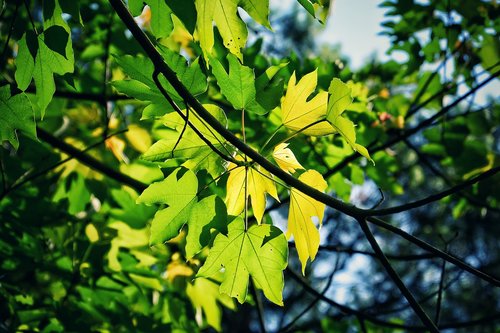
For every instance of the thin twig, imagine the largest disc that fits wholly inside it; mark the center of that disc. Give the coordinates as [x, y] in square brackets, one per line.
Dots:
[259, 306]
[428, 247]
[28, 10]
[184, 117]
[9, 35]
[434, 197]
[396, 279]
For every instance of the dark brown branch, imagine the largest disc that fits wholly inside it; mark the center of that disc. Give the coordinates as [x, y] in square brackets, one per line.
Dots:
[435, 197]
[407, 257]
[90, 161]
[428, 247]
[396, 279]
[32, 177]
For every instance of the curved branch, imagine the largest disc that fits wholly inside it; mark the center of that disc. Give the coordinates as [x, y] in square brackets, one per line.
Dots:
[434, 197]
[428, 247]
[396, 279]
[90, 161]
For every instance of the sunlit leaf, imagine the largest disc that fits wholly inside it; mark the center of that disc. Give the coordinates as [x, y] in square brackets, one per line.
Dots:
[261, 252]
[299, 113]
[300, 218]
[285, 158]
[229, 24]
[209, 213]
[205, 296]
[178, 191]
[340, 99]
[16, 114]
[253, 181]
[238, 85]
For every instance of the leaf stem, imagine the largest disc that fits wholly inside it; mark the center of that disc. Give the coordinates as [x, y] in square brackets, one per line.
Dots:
[270, 138]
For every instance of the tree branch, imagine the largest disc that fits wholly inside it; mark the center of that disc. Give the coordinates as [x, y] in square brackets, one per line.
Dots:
[428, 247]
[434, 197]
[90, 161]
[397, 280]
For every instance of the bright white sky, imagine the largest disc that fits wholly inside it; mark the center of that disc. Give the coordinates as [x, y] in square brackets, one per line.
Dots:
[355, 25]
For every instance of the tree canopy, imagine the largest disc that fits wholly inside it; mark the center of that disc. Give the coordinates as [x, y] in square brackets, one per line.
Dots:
[206, 165]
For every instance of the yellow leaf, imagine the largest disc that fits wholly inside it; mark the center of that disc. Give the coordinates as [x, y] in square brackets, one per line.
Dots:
[300, 218]
[91, 233]
[138, 138]
[205, 296]
[144, 20]
[117, 146]
[259, 182]
[285, 158]
[299, 113]
[178, 269]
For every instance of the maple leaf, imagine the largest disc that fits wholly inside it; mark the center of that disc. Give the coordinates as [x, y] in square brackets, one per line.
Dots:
[300, 223]
[205, 296]
[16, 114]
[257, 181]
[340, 99]
[178, 191]
[299, 113]
[260, 252]
[285, 158]
[231, 27]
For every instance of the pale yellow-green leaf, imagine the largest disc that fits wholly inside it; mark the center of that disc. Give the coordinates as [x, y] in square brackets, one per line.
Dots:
[91, 233]
[340, 100]
[126, 237]
[299, 113]
[205, 296]
[138, 138]
[257, 181]
[260, 252]
[364, 152]
[285, 158]
[225, 14]
[300, 218]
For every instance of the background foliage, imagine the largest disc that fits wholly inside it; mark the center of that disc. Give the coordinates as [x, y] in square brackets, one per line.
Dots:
[86, 127]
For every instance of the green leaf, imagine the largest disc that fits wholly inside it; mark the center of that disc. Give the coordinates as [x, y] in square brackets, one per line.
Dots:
[190, 75]
[138, 90]
[16, 113]
[25, 60]
[260, 252]
[190, 147]
[47, 59]
[43, 76]
[161, 20]
[208, 213]
[185, 11]
[340, 99]
[75, 191]
[141, 85]
[258, 9]
[238, 86]
[307, 6]
[178, 191]
[490, 53]
[231, 27]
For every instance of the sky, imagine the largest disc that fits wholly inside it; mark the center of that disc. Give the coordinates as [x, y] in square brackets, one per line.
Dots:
[355, 25]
